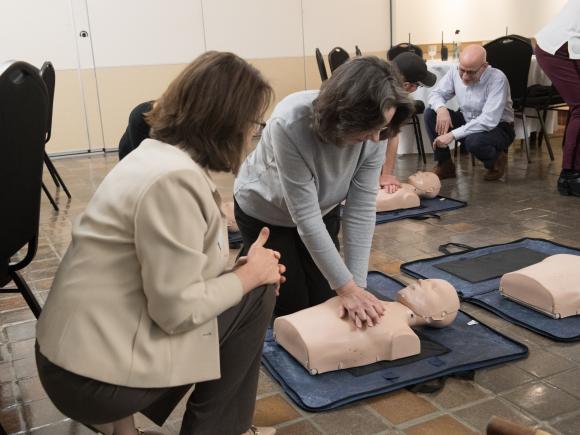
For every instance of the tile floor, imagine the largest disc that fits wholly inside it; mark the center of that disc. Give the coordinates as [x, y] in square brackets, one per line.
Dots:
[541, 391]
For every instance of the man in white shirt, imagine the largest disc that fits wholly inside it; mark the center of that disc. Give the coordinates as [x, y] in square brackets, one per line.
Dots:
[484, 122]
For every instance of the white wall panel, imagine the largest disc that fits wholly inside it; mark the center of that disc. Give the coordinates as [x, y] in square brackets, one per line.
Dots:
[476, 20]
[346, 23]
[254, 29]
[38, 30]
[145, 32]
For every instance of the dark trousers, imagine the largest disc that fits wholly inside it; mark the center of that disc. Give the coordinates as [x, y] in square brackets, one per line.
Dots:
[565, 75]
[224, 406]
[305, 285]
[485, 145]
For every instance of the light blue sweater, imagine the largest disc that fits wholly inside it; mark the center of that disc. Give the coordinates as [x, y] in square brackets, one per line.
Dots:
[293, 179]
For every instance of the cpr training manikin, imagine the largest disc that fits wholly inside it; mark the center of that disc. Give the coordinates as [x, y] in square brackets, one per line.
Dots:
[322, 341]
[550, 286]
[420, 185]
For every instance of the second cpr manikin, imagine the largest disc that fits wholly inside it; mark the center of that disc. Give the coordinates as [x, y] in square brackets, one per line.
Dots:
[420, 185]
[323, 342]
[550, 286]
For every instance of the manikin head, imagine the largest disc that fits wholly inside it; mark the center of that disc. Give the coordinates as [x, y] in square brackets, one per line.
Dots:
[434, 301]
[427, 184]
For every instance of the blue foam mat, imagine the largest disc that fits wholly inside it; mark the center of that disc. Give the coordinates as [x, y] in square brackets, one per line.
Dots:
[486, 293]
[429, 206]
[472, 346]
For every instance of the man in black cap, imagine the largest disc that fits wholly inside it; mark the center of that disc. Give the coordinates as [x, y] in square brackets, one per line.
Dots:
[414, 73]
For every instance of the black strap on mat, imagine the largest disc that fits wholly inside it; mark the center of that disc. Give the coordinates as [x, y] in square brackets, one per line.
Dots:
[444, 249]
[425, 217]
[435, 385]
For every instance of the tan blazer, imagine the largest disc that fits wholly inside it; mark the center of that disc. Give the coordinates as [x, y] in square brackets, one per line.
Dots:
[135, 299]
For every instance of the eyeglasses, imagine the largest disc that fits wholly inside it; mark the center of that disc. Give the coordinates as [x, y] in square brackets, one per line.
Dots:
[418, 84]
[258, 126]
[470, 72]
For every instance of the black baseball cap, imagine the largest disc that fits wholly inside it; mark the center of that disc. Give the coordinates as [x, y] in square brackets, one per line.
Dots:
[414, 69]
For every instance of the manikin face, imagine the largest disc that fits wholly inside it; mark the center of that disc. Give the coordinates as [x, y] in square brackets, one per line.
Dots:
[435, 300]
[426, 183]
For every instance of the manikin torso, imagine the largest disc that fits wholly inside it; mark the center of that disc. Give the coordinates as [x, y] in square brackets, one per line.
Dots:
[550, 286]
[322, 342]
[420, 185]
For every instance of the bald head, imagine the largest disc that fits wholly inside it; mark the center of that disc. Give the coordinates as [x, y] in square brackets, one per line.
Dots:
[472, 55]
[472, 63]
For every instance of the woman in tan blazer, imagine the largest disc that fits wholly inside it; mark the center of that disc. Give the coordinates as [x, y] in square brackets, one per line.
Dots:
[142, 305]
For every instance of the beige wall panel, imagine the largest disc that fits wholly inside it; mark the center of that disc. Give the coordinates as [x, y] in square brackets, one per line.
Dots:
[286, 75]
[254, 28]
[313, 76]
[145, 32]
[38, 30]
[345, 23]
[122, 88]
[477, 21]
[69, 132]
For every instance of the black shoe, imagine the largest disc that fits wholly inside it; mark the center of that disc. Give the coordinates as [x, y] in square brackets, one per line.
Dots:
[569, 183]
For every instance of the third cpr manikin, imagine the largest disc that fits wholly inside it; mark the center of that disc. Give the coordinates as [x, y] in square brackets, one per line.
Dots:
[322, 342]
[420, 185]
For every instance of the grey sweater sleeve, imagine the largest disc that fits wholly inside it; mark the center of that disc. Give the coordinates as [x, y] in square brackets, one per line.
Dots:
[300, 194]
[359, 214]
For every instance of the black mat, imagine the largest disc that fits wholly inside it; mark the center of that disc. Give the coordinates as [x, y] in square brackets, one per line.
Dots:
[493, 265]
[429, 208]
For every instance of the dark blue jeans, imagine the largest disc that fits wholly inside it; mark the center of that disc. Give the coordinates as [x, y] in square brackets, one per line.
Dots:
[484, 145]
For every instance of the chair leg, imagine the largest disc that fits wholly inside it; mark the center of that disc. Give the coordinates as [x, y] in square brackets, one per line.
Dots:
[55, 175]
[544, 133]
[418, 138]
[26, 293]
[50, 170]
[541, 135]
[50, 198]
[526, 139]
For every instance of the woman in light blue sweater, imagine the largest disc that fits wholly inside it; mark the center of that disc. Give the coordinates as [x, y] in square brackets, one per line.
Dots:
[320, 148]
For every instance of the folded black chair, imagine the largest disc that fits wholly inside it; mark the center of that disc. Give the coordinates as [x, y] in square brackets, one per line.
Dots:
[48, 75]
[513, 55]
[321, 66]
[395, 50]
[24, 107]
[337, 57]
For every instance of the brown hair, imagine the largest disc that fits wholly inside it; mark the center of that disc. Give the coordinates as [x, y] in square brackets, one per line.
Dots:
[355, 98]
[208, 109]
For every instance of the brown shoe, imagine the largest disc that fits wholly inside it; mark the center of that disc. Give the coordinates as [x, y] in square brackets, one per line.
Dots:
[498, 168]
[444, 169]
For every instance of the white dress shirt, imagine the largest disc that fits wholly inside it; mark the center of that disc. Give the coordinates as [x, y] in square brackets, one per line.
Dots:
[565, 27]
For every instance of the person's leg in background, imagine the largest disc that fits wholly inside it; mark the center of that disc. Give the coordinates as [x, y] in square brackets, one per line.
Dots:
[491, 148]
[445, 167]
[294, 292]
[226, 405]
[565, 75]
